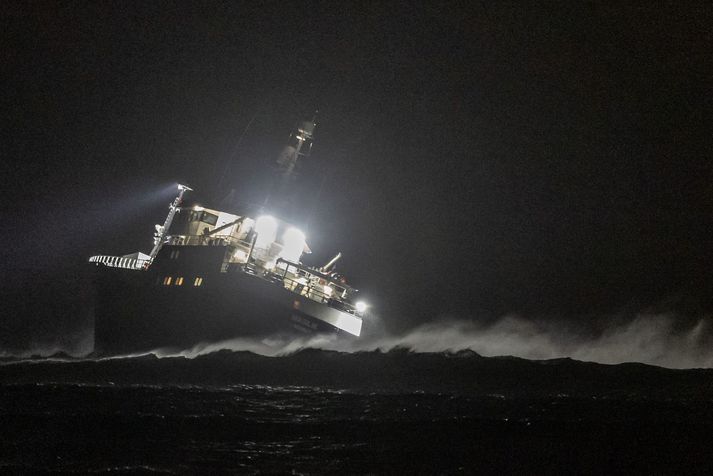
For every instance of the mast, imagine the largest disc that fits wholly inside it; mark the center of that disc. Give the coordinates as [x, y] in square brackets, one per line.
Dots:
[293, 152]
[161, 230]
[283, 193]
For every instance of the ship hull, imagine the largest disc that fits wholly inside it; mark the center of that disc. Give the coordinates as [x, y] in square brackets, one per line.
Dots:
[139, 311]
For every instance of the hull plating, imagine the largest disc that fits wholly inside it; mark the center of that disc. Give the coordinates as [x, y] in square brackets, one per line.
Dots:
[135, 311]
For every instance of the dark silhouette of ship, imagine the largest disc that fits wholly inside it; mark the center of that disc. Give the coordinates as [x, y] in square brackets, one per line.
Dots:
[213, 275]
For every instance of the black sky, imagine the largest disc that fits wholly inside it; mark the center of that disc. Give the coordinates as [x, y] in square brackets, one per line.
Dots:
[477, 158]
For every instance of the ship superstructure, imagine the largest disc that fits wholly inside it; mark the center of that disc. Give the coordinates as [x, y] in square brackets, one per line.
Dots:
[214, 275]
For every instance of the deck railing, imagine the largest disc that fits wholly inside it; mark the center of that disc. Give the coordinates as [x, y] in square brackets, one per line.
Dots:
[203, 240]
[302, 281]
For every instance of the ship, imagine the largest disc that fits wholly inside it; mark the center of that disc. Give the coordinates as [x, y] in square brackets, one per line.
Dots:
[215, 275]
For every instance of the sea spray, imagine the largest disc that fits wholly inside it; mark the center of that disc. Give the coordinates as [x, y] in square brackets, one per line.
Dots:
[649, 339]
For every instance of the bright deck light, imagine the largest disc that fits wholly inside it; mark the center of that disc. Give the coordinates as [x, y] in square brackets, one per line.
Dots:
[293, 243]
[361, 306]
[266, 229]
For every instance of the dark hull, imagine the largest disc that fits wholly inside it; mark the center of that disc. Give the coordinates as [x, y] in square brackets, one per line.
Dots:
[136, 312]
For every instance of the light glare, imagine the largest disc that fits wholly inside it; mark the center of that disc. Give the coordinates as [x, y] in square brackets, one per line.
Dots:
[293, 244]
[361, 306]
[266, 229]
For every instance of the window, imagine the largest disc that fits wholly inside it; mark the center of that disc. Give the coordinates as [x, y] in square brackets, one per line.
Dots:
[209, 218]
[174, 254]
[198, 282]
[167, 281]
[179, 281]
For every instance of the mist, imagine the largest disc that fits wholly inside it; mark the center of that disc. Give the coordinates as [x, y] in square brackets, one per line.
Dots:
[650, 339]
[655, 339]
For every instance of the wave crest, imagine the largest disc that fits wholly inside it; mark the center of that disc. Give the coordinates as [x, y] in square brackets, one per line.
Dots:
[651, 339]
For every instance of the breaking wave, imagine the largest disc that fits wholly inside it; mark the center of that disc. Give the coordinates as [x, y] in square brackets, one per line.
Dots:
[655, 339]
[650, 339]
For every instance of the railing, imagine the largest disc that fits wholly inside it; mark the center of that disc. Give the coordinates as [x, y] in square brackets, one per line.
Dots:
[120, 262]
[203, 240]
[314, 292]
[214, 240]
[308, 285]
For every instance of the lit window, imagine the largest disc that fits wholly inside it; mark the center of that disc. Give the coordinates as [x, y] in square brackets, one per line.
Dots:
[209, 218]
[179, 281]
[167, 281]
[198, 282]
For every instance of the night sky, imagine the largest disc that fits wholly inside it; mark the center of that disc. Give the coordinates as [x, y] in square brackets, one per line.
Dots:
[472, 159]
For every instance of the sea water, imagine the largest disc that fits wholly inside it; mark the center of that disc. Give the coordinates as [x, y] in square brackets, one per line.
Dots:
[320, 412]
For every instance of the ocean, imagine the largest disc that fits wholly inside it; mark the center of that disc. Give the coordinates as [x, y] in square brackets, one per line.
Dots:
[326, 412]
